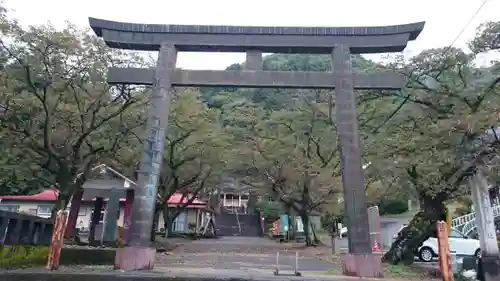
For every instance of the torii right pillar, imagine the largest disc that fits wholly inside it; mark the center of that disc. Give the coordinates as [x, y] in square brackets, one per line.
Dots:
[360, 261]
[489, 264]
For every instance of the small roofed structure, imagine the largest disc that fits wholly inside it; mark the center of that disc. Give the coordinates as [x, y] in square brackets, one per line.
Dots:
[103, 206]
[106, 187]
[46, 195]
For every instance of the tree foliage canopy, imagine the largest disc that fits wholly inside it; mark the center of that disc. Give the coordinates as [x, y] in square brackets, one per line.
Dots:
[60, 118]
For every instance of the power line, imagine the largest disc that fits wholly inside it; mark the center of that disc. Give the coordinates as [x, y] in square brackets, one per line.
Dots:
[465, 26]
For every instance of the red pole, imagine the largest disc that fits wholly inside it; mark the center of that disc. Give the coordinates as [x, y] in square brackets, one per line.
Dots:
[56, 243]
[444, 251]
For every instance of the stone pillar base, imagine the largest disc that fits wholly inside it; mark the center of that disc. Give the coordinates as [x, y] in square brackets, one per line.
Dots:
[362, 265]
[489, 268]
[135, 258]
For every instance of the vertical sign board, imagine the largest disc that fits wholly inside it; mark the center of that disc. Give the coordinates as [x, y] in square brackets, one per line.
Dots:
[444, 251]
[284, 223]
[375, 230]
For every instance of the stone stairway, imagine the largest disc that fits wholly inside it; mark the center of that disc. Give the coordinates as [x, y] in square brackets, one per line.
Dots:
[235, 222]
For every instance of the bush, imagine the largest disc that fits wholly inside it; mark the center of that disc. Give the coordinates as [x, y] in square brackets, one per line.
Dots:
[392, 206]
[36, 256]
[23, 257]
[270, 210]
[87, 256]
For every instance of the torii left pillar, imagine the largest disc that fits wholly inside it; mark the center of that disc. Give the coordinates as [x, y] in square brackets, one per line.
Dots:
[139, 253]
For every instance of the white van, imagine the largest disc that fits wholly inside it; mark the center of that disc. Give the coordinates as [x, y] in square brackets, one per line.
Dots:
[459, 244]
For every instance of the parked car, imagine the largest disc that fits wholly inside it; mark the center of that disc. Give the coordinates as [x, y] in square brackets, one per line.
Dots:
[343, 232]
[459, 244]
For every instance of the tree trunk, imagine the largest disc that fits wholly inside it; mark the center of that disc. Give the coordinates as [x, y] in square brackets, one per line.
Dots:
[420, 228]
[156, 218]
[303, 211]
[76, 202]
[94, 221]
[334, 246]
[291, 225]
[213, 202]
[166, 221]
[62, 202]
[315, 237]
[305, 222]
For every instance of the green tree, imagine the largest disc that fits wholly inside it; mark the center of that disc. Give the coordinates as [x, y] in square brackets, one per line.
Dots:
[59, 117]
[291, 159]
[276, 99]
[450, 104]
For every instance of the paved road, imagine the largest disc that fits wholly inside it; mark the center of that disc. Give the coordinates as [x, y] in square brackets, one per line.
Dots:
[242, 253]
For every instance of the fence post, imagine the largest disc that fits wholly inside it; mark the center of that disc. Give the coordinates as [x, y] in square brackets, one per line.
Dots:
[277, 271]
[297, 264]
[4, 224]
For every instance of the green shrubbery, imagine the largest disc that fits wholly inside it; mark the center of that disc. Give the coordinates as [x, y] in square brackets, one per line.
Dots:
[30, 256]
[392, 206]
[270, 210]
[23, 256]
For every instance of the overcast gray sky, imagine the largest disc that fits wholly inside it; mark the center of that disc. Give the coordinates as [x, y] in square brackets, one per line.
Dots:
[445, 18]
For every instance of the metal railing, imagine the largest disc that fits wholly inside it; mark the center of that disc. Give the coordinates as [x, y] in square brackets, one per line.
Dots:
[237, 220]
[467, 223]
[459, 222]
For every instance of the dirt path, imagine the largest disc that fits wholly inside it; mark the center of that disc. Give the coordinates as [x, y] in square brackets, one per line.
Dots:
[243, 253]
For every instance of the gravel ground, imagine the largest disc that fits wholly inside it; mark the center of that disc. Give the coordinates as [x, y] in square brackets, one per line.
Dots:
[242, 253]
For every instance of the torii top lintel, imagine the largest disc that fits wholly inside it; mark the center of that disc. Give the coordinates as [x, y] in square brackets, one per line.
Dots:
[211, 38]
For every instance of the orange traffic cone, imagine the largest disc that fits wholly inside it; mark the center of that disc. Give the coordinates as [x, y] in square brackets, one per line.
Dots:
[275, 228]
[376, 248]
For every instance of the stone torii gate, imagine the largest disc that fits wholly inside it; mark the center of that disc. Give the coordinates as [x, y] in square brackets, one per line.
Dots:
[339, 42]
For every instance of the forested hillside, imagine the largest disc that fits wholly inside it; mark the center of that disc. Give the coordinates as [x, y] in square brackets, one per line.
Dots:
[276, 99]
[60, 118]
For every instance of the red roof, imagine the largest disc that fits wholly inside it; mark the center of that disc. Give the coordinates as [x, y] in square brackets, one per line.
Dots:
[176, 198]
[52, 194]
[46, 195]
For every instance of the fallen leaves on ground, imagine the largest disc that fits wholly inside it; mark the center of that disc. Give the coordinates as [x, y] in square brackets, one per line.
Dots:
[396, 272]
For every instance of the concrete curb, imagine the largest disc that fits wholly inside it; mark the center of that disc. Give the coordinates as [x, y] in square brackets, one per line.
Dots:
[169, 274]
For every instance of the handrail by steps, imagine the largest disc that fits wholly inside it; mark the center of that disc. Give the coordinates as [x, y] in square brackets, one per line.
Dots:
[467, 223]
